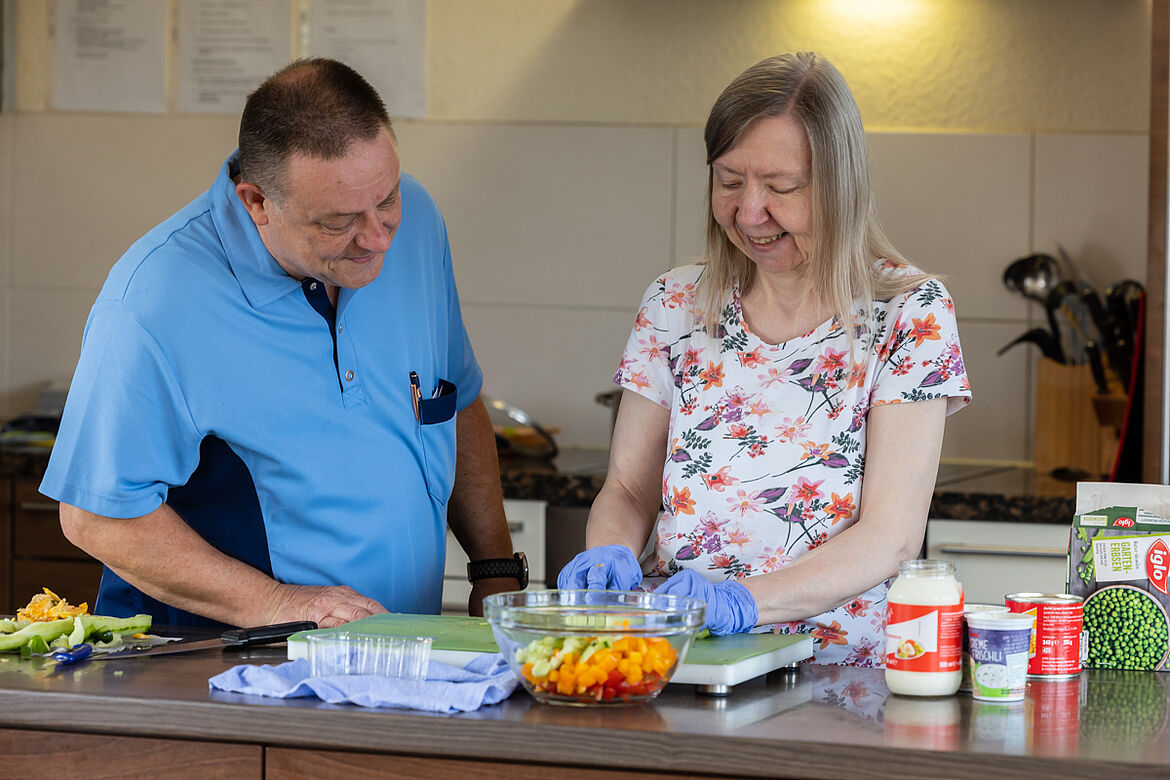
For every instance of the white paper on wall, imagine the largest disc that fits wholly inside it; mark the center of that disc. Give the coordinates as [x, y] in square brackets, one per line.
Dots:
[110, 55]
[226, 48]
[384, 40]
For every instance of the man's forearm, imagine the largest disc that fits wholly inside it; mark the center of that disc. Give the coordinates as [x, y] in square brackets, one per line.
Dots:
[163, 557]
[476, 509]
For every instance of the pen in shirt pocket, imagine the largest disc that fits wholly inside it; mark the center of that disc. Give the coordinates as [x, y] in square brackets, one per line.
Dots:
[415, 393]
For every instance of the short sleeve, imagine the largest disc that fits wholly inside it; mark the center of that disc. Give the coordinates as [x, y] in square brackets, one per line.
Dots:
[126, 436]
[920, 357]
[664, 317]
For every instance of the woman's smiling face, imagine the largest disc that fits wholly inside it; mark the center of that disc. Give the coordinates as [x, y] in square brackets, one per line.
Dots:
[760, 194]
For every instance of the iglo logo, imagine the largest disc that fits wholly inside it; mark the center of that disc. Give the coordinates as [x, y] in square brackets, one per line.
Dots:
[1123, 522]
[1157, 563]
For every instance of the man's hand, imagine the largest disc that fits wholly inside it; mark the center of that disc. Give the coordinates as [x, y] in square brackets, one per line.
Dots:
[326, 605]
[481, 589]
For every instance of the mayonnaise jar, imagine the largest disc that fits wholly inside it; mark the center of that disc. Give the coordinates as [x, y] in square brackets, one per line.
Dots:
[924, 630]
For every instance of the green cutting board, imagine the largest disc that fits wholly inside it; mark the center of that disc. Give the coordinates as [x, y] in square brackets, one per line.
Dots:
[717, 660]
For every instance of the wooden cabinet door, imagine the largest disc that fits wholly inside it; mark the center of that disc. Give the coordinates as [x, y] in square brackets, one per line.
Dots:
[293, 764]
[97, 757]
[74, 581]
[6, 606]
[41, 555]
[36, 526]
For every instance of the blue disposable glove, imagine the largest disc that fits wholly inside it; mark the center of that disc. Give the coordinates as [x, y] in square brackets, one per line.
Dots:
[731, 609]
[610, 567]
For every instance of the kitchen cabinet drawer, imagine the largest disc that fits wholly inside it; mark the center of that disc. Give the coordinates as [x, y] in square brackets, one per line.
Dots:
[993, 559]
[55, 754]
[36, 526]
[526, 525]
[75, 581]
[6, 607]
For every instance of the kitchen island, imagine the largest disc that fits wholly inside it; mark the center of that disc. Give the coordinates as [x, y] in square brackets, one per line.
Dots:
[156, 717]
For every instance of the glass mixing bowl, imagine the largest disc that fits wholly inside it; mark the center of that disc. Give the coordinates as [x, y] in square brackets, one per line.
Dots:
[593, 647]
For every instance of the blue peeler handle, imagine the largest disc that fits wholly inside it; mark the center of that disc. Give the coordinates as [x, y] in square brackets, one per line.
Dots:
[73, 654]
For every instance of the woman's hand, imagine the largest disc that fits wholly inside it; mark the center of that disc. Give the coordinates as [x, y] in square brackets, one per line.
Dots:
[731, 609]
[610, 567]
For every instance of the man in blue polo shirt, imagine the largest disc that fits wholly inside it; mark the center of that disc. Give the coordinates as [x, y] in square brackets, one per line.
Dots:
[274, 383]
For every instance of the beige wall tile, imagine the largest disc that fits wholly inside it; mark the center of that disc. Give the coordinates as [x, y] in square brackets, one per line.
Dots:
[997, 424]
[548, 214]
[91, 185]
[957, 205]
[45, 331]
[5, 254]
[690, 196]
[1092, 199]
[551, 363]
[7, 410]
[5, 196]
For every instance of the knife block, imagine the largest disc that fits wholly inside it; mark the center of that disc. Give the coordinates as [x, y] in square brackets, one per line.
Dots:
[1068, 433]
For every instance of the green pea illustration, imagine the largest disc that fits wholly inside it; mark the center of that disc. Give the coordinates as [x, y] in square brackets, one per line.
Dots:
[1126, 629]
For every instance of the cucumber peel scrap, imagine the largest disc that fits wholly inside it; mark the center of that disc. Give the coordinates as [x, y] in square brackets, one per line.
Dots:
[39, 637]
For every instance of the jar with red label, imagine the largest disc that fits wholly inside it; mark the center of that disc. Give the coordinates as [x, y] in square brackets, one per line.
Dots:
[924, 630]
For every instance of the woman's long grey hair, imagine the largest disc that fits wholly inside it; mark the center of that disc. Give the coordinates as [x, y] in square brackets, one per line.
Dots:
[847, 237]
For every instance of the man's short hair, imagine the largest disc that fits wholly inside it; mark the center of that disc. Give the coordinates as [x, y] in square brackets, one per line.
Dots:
[316, 107]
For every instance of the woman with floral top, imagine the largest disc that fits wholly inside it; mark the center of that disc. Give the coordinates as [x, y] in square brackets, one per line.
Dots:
[764, 385]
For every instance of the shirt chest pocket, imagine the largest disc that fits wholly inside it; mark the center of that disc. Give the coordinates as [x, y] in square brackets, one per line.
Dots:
[437, 418]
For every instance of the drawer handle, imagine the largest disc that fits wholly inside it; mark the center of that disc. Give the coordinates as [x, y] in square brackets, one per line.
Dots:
[1015, 552]
[38, 506]
[515, 528]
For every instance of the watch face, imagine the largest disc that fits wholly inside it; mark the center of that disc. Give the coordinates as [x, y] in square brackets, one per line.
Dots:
[522, 560]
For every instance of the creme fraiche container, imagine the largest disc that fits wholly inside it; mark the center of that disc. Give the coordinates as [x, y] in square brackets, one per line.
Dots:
[924, 630]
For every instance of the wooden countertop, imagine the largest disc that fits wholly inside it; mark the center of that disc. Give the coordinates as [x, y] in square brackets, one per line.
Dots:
[823, 721]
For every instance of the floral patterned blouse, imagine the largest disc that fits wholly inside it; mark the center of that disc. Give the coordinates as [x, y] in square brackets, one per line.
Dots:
[766, 445]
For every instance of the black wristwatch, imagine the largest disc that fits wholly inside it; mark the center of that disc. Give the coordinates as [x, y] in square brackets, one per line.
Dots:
[515, 567]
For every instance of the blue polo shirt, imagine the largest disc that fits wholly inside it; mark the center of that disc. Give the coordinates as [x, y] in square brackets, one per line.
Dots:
[286, 438]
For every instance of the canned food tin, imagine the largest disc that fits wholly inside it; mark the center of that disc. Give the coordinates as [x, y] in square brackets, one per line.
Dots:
[1056, 637]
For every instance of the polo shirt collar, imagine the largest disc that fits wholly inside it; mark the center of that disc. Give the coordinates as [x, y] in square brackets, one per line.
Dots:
[260, 276]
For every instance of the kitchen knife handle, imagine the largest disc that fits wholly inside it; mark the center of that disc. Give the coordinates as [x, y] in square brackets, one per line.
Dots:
[73, 654]
[263, 635]
[1097, 367]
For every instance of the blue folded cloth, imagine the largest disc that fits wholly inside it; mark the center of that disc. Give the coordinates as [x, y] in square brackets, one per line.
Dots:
[486, 680]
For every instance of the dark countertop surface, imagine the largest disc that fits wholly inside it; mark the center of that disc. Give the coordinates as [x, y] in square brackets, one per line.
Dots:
[822, 722]
[962, 492]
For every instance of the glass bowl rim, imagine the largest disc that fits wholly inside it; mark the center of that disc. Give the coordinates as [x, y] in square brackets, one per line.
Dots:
[678, 614]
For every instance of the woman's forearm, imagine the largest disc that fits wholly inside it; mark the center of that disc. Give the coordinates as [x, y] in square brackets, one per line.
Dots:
[617, 518]
[827, 577]
[627, 506]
